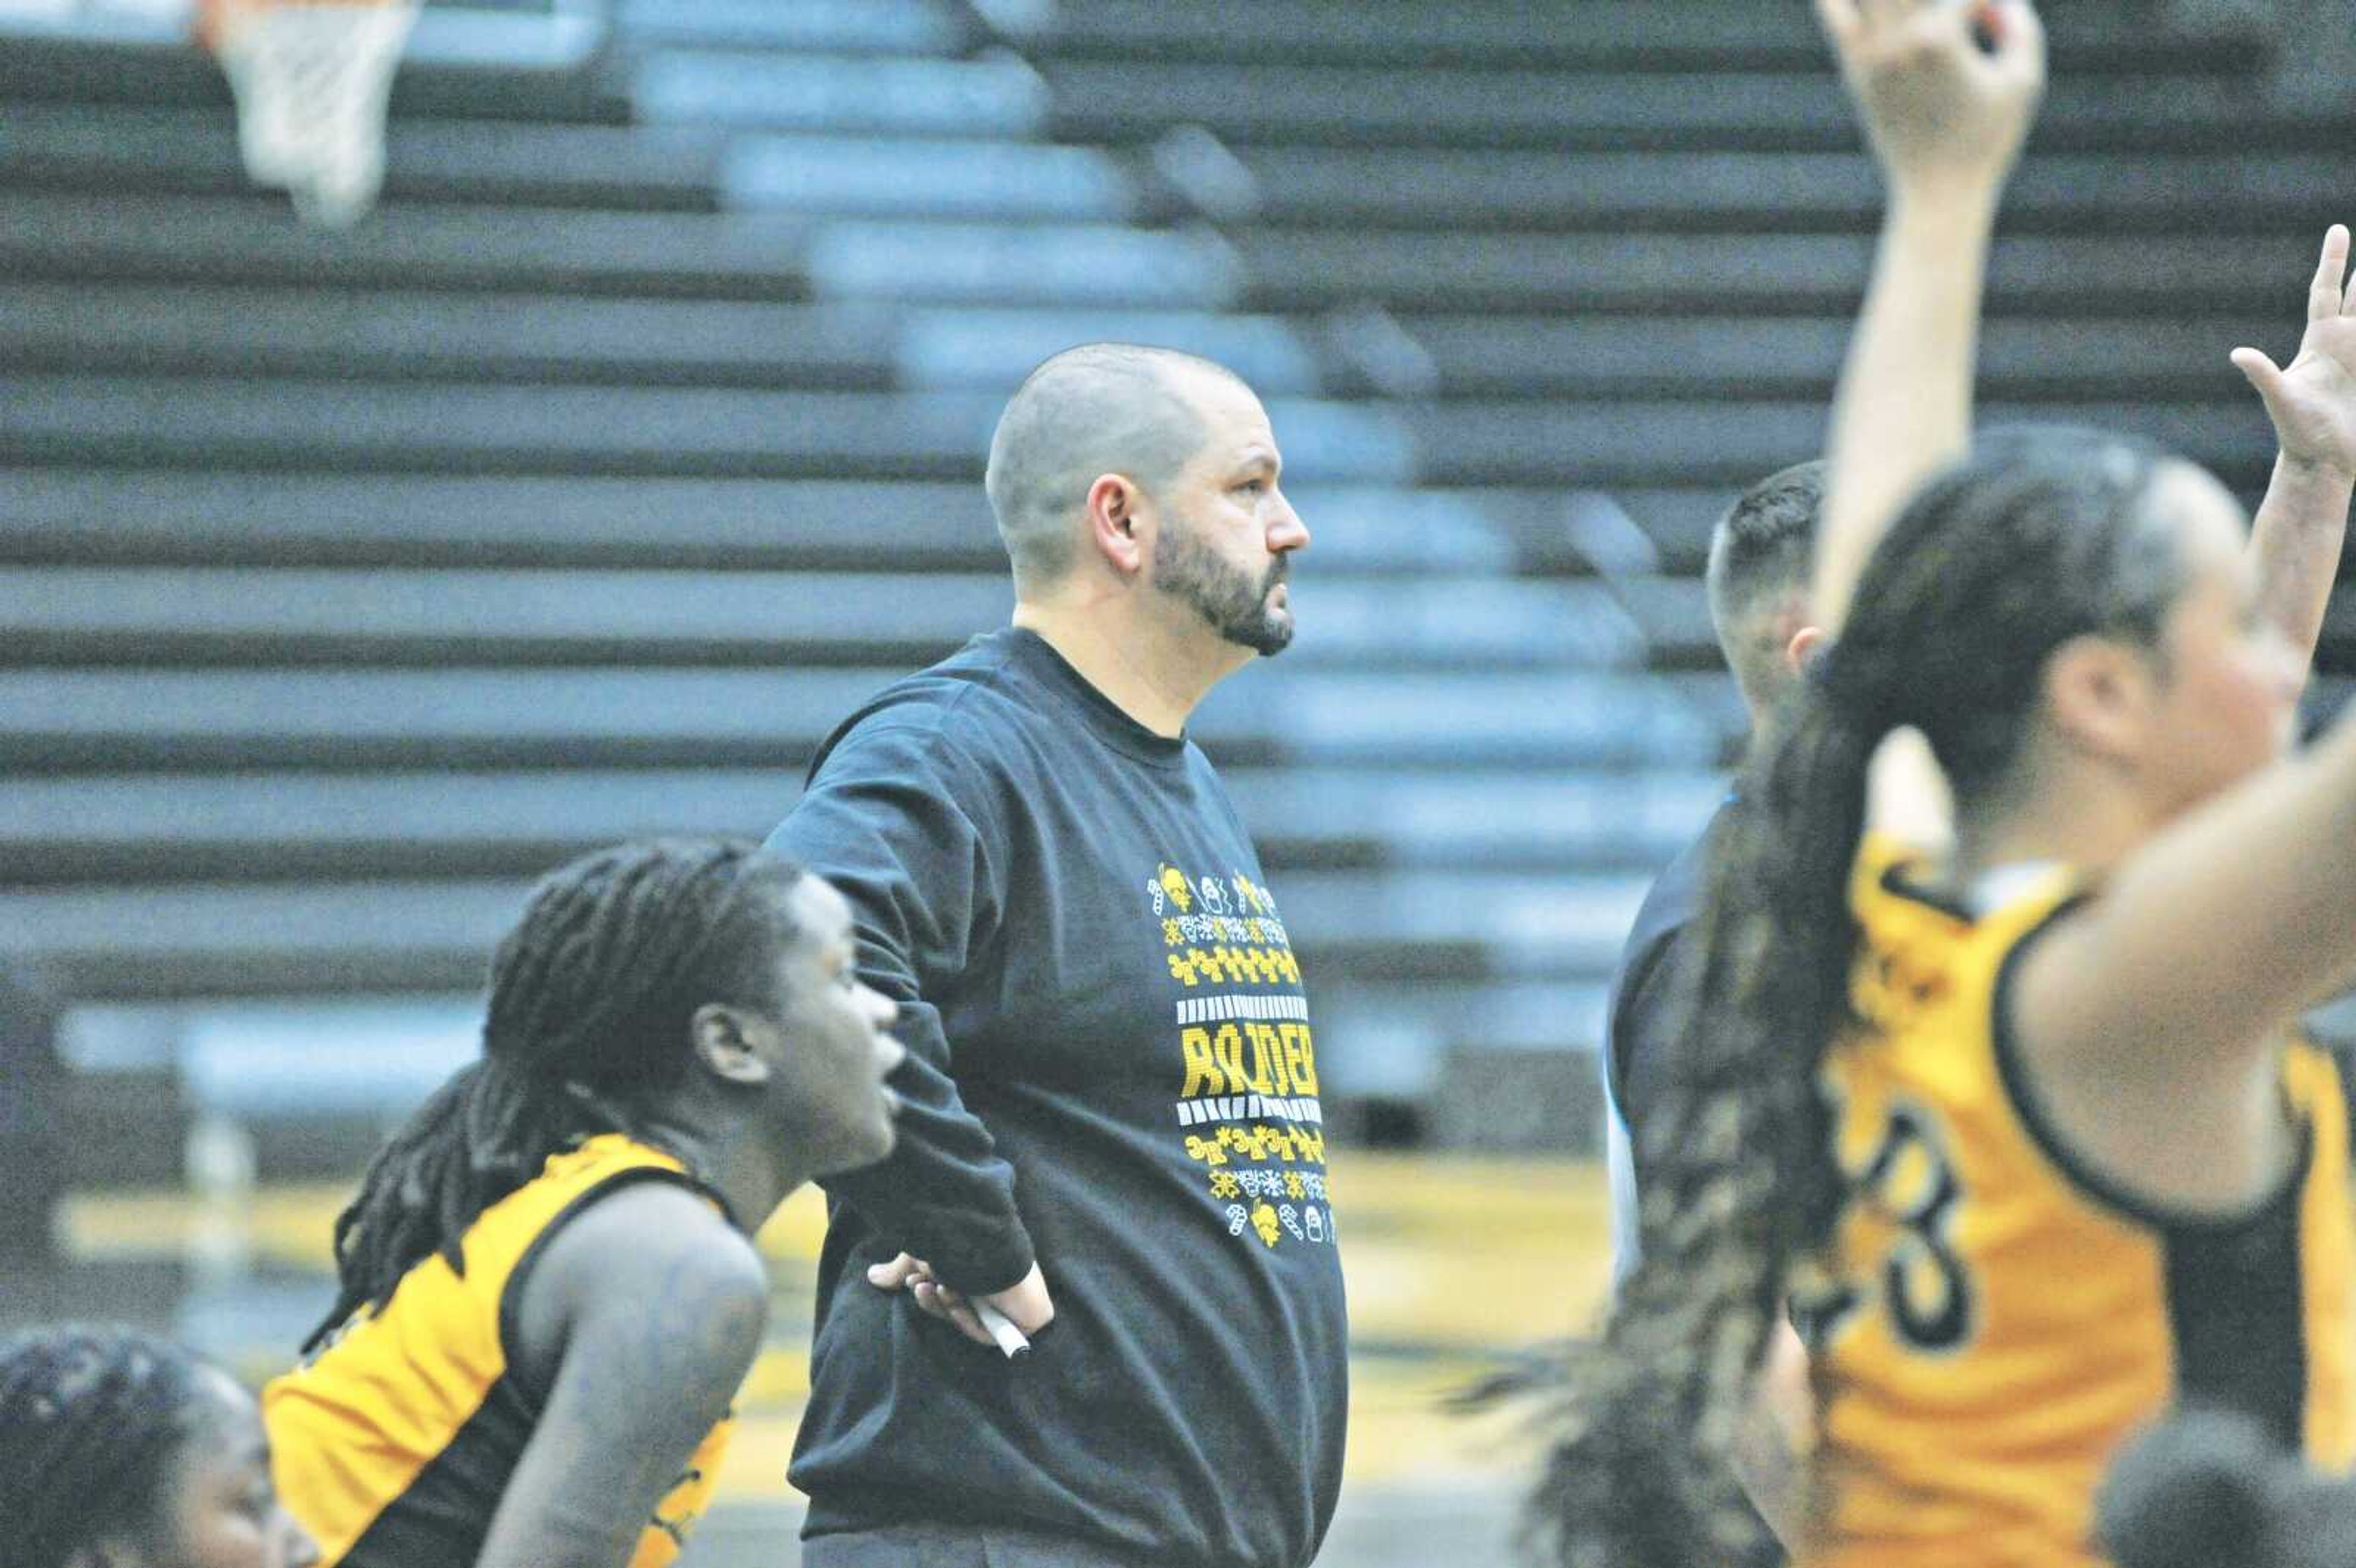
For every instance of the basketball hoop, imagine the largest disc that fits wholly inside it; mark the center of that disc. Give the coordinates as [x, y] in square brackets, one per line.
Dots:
[311, 79]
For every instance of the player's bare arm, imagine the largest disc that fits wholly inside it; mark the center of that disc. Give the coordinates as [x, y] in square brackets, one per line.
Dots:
[2297, 536]
[1946, 114]
[653, 1307]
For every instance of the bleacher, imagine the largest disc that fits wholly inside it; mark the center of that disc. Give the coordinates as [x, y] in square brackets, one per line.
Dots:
[349, 579]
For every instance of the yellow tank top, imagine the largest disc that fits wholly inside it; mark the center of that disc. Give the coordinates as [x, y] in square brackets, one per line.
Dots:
[394, 1444]
[1999, 1319]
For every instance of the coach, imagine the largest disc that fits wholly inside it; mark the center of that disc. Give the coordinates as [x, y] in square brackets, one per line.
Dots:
[1112, 1131]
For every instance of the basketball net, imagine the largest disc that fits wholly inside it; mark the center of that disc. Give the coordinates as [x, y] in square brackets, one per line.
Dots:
[311, 79]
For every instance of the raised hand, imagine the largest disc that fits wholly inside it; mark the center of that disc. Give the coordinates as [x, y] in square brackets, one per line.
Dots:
[1946, 88]
[2313, 399]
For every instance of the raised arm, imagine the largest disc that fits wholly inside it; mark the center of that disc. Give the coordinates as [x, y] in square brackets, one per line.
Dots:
[1947, 92]
[2295, 541]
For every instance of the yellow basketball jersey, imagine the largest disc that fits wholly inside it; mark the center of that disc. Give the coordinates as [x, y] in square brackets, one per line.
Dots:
[1998, 1319]
[394, 1444]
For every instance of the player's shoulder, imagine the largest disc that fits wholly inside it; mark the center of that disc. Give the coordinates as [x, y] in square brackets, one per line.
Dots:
[614, 1253]
[648, 1234]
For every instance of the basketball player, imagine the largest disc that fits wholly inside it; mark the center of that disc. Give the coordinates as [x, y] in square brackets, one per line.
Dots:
[2017, 1123]
[121, 1451]
[550, 1293]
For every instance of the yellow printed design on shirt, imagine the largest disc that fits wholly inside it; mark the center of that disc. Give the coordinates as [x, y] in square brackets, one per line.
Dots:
[1994, 1321]
[1248, 1104]
[396, 1443]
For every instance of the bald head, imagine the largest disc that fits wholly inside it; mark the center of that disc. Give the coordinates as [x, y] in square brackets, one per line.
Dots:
[1102, 407]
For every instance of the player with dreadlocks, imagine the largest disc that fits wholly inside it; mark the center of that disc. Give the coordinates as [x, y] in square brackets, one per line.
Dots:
[550, 1293]
[121, 1451]
[2013, 1121]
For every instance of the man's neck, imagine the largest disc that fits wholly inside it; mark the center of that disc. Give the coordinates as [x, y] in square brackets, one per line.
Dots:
[1151, 672]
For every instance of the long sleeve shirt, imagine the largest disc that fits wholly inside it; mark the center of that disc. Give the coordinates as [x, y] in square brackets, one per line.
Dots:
[1111, 1071]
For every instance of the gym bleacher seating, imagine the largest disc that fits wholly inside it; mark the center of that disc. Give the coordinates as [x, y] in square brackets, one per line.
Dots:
[349, 579]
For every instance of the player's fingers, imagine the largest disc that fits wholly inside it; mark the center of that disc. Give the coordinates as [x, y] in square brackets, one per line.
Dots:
[893, 1274]
[2323, 294]
[2016, 38]
[2262, 373]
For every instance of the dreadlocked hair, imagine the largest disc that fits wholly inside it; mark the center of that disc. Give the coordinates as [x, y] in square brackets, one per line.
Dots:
[91, 1419]
[2034, 539]
[591, 999]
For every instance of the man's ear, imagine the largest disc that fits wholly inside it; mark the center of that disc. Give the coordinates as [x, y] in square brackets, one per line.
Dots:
[2101, 694]
[1113, 504]
[1803, 647]
[723, 1047]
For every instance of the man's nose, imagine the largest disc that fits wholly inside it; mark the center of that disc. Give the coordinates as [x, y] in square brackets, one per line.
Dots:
[1286, 531]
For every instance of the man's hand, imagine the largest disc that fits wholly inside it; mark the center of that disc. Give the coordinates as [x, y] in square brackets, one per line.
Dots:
[2313, 401]
[1025, 1302]
[1946, 88]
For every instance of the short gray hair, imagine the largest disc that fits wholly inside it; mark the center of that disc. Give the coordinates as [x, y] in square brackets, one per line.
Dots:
[1101, 407]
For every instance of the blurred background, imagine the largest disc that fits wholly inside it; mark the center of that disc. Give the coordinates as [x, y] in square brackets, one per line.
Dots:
[349, 579]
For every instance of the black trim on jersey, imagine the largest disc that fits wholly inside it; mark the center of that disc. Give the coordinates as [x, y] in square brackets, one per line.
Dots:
[443, 1515]
[441, 1518]
[512, 1293]
[2235, 1296]
[2236, 1311]
[1894, 882]
[2148, 1213]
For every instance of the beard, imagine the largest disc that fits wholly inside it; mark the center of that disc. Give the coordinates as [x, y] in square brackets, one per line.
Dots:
[1232, 601]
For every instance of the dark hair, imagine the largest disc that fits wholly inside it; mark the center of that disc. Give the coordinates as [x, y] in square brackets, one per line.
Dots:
[2206, 1487]
[591, 995]
[1762, 546]
[91, 1420]
[2033, 540]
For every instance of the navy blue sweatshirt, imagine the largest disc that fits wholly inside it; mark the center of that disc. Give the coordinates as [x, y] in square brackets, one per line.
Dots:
[1110, 1070]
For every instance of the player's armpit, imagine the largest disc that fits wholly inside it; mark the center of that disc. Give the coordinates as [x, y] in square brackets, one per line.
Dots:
[661, 1306]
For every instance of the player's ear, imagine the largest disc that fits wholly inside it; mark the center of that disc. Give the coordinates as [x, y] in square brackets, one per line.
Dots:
[1805, 643]
[2099, 693]
[1113, 505]
[722, 1043]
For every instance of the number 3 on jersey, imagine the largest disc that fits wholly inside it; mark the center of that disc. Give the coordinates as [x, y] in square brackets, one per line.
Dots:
[1898, 1246]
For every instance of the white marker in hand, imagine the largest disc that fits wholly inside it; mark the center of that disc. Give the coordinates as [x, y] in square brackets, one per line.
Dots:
[1010, 1339]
